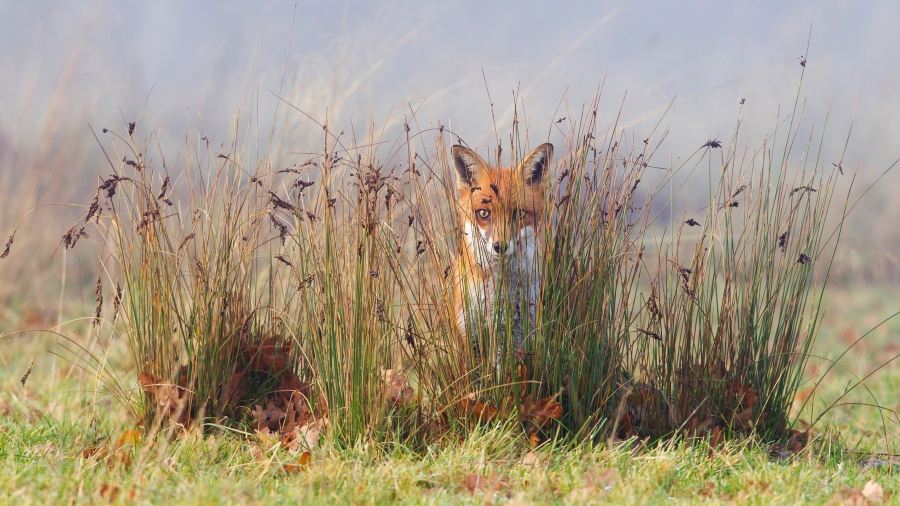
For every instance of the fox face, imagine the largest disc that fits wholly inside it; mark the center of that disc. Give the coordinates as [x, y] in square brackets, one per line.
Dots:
[501, 208]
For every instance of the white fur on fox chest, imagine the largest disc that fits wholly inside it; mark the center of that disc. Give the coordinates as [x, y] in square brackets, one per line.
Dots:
[517, 263]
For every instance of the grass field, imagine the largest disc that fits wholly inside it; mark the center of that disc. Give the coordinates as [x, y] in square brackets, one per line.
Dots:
[674, 359]
[46, 428]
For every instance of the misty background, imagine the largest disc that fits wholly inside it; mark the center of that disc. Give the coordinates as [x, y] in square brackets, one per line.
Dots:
[67, 67]
[373, 59]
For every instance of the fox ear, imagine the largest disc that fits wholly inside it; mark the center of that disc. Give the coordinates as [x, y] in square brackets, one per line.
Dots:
[536, 164]
[468, 167]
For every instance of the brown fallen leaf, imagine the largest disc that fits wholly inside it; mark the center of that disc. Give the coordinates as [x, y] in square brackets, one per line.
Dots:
[545, 410]
[716, 438]
[482, 412]
[109, 492]
[871, 493]
[396, 387]
[235, 389]
[292, 389]
[602, 480]
[798, 440]
[744, 418]
[270, 356]
[530, 459]
[302, 464]
[746, 394]
[322, 406]
[494, 484]
[257, 454]
[129, 437]
[306, 437]
[171, 401]
[91, 451]
[269, 417]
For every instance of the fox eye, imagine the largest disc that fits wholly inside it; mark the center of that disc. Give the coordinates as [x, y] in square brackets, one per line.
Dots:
[484, 214]
[519, 214]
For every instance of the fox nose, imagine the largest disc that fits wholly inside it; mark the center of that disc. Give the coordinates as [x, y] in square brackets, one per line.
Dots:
[500, 247]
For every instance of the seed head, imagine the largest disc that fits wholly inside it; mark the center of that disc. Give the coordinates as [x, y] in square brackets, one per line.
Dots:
[98, 293]
[6, 249]
[162, 191]
[117, 302]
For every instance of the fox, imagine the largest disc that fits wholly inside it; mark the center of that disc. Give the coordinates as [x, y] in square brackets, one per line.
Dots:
[501, 210]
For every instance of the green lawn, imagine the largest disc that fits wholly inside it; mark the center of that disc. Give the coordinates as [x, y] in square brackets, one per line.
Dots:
[46, 428]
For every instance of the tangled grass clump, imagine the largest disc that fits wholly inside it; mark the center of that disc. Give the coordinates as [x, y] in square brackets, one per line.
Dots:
[320, 287]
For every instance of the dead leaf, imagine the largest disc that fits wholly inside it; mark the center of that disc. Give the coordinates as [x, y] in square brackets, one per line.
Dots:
[751, 398]
[322, 406]
[396, 387]
[873, 491]
[235, 389]
[708, 490]
[870, 494]
[171, 401]
[602, 480]
[306, 437]
[747, 395]
[743, 418]
[129, 437]
[716, 438]
[494, 484]
[270, 356]
[93, 450]
[109, 492]
[483, 412]
[269, 417]
[258, 454]
[798, 440]
[530, 459]
[292, 389]
[302, 464]
[545, 410]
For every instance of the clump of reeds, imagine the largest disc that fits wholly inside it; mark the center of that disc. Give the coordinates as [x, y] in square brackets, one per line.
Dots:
[732, 305]
[331, 275]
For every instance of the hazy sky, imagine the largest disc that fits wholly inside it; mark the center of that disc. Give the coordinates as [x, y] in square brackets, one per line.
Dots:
[376, 60]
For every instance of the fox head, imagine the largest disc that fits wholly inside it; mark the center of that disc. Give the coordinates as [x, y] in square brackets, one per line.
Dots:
[501, 207]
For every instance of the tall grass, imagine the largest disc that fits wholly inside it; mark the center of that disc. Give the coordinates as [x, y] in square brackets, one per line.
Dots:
[337, 267]
[733, 305]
